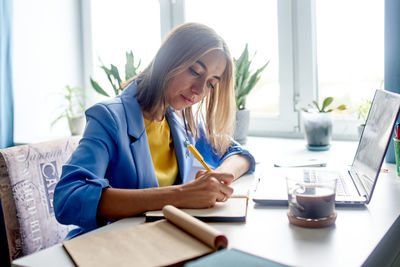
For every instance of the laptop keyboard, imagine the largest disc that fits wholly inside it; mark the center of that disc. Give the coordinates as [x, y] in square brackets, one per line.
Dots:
[316, 176]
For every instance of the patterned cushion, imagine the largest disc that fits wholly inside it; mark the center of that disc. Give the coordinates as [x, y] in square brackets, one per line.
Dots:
[28, 176]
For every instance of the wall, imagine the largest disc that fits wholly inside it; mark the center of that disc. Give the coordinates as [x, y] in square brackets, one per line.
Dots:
[47, 55]
[392, 57]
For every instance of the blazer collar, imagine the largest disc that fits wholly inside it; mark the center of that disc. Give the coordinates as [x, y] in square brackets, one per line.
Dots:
[133, 112]
[136, 128]
[183, 156]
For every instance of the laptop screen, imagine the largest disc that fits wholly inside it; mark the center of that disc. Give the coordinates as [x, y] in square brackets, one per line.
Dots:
[375, 138]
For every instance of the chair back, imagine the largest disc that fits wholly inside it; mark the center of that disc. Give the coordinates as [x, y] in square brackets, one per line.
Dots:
[28, 176]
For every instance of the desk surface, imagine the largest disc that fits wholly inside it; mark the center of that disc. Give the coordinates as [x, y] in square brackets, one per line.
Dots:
[267, 232]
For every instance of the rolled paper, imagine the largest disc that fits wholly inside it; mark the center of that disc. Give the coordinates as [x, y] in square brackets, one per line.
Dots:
[195, 227]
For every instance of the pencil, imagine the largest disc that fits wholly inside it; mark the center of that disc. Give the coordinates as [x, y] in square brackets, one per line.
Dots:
[199, 157]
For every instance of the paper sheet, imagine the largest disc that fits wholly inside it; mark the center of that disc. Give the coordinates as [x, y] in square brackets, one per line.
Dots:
[138, 245]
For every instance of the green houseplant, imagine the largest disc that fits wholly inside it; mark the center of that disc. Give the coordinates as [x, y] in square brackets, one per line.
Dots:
[113, 75]
[324, 107]
[73, 109]
[318, 124]
[245, 81]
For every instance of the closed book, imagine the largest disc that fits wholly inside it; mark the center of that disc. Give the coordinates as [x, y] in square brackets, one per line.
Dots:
[233, 258]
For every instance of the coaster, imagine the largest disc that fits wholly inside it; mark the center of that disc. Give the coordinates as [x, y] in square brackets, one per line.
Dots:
[312, 223]
[318, 148]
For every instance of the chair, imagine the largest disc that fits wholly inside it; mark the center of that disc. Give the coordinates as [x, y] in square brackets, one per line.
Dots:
[28, 176]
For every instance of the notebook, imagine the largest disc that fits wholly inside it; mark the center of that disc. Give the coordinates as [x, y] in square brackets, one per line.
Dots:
[355, 184]
[233, 210]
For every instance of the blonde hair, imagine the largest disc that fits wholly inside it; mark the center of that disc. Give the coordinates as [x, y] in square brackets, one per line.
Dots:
[183, 47]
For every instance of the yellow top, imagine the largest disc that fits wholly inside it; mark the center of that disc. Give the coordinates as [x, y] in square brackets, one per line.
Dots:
[162, 151]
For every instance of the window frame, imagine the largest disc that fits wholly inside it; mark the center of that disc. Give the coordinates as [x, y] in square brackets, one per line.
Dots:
[298, 77]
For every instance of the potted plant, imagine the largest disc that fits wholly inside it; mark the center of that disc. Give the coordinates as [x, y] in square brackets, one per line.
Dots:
[362, 113]
[318, 124]
[245, 81]
[113, 76]
[73, 109]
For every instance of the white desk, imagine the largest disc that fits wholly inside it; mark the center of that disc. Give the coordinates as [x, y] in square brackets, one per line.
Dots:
[361, 236]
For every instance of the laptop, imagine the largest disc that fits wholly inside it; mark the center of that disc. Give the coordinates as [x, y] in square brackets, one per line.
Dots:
[355, 184]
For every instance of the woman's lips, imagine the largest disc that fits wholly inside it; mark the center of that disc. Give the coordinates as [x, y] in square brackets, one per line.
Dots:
[187, 100]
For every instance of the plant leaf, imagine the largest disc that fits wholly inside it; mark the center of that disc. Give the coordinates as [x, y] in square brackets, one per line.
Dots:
[57, 119]
[108, 73]
[130, 69]
[97, 88]
[242, 71]
[115, 73]
[239, 64]
[341, 107]
[327, 101]
[316, 105]
[245, 79]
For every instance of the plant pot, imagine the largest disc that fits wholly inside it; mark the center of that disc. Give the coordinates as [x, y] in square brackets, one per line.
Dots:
[242, 126]
[77, 125]
[318, 130]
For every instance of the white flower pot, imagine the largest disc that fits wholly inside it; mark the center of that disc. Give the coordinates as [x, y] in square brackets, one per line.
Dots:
[318, 130]
[77, 125]
[242, 125]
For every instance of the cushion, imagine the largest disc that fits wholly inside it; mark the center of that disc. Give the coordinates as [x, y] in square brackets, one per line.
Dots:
[28, 176]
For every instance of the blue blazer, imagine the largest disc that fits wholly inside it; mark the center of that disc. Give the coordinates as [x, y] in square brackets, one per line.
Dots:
[114, 152]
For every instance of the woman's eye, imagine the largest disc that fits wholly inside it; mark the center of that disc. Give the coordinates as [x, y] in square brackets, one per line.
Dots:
[195, 73]
[211, 85]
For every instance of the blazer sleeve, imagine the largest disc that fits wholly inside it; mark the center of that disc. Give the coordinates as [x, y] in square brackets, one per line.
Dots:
[212, 158]
[78, 192]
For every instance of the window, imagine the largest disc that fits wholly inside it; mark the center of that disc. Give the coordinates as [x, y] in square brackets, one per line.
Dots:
[45, 58]
[254, 23]
[119, 27]
[350, 50]
[316, 49]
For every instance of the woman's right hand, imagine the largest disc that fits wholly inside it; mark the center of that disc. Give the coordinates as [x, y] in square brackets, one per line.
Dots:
[207, 189]
[203, 192]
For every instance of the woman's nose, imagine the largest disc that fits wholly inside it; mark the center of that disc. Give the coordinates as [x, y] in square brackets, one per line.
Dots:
[199, 87]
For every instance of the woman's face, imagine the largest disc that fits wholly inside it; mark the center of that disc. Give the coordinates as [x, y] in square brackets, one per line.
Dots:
[193, 84]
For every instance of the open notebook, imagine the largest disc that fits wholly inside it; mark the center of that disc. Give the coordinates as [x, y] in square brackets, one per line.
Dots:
[233, 210]
[175, 240]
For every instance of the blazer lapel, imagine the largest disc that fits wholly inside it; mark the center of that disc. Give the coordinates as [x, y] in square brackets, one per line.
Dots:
[139, 143]
[183, 156]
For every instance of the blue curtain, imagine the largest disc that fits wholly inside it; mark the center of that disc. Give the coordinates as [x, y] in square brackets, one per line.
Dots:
[6, 93]
[392, 56]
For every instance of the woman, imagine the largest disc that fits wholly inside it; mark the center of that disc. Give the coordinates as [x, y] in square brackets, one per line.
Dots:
[133, 156]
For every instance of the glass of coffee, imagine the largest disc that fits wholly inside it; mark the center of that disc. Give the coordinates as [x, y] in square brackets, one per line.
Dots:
[311, 203]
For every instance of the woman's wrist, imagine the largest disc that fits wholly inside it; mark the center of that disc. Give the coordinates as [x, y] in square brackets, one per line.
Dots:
[235, 164]
[175, 196]
[161, 196]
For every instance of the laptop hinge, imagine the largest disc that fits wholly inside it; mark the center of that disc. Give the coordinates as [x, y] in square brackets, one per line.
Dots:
[358, 184]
